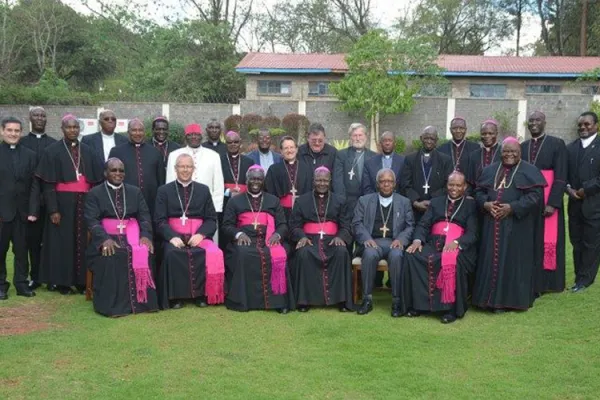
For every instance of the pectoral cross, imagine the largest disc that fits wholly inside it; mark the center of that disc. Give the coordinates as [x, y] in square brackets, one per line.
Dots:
[351, 173]
[426, 187]
[255, 224]
[384, 229]
[293, 192]
[321, 234]
[120, 227]
[77, 174]
[447, 228]
[183, 218]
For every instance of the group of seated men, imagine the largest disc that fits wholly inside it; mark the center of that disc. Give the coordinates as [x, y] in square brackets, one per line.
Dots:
[270, 231]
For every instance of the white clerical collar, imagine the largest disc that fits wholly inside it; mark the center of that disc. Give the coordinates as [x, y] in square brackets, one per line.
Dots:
[215, 144]
[13, 146]
[455, 200]
[358, 150]
[587, 141]
[39, 135]
[291, 162]
[195, 149]
[185, 184]
[539, 137]
[107, 136]
[490, 148]
[385, 201]
[234, 155]
[114, 187]
[426, 154]
[256, 196]
[387, 156]
[457, 143]
[137, 144]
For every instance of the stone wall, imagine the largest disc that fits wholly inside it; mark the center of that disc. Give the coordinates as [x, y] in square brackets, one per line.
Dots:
[476, 111]
[561, 112]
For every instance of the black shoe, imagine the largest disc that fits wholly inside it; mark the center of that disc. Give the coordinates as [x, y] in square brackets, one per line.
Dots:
[578, 288]
[448, 318]
[201, 302]
[34, 285]
[26, 293]
[303, 308]
[366, 307]
[64, 290]
[283, 310]
[342, 307]
[413, 314]
[80, 289]
[176, 305]
[3, 295]
[396, 310]
[52, 288]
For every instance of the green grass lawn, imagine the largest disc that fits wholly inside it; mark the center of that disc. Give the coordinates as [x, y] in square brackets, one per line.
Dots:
[549, 352]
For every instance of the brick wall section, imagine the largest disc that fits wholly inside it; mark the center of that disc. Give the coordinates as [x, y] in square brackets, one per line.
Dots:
[336, 122]
[478, 110]
[198, 113]
[278, 108]
[142, 111]
[426, 111]
[560, 117]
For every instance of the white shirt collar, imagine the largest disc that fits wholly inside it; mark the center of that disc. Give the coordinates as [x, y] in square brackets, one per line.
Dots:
[186, 184]
[587, 141]
[13, 146]
[385, 201]
[255, 195]
[539, 137]
[113, 186]
[107, 136]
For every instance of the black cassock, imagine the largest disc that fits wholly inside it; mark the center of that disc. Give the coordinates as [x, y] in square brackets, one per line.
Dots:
[459, 154]
[414, 176]
[508, 252]
[421, 269]
[114, 285]
[35, 232]
[280, 176]
[321, 273]
[234, 171]
[478, 160]
[249, 268]
[165, 148]
[144, 168]
[183, 271]
[550, 153]
[63, 253]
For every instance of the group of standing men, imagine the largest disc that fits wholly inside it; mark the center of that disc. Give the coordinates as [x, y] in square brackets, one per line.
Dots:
[159, 224]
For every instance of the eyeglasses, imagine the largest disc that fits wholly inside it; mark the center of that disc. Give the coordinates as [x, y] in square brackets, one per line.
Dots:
[109, 119]
[232, 141]
[121, 170]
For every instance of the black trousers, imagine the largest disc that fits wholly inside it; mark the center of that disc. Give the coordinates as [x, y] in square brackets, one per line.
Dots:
[14, 231]
[585, 237]
[35, 234]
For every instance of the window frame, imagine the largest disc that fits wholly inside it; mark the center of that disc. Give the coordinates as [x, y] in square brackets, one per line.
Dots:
[318, 94]
[542, 86]
[495, 85]
[269, 83]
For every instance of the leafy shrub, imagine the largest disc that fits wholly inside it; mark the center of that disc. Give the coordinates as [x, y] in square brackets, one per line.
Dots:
[272, 131]
[250, 122]
[176, 131]
[270, 122]
[417, 145]
[400, 146]
[233, 123]
[295, 125]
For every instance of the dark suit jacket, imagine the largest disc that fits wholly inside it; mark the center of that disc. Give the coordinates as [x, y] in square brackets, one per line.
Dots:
[255, 156]
[373, 165]
[342, 184]
[584, 172]
[403, 222]
[16, 197]
[94, 141]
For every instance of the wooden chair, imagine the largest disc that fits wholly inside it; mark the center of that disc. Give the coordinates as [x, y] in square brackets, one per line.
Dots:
[356, 278]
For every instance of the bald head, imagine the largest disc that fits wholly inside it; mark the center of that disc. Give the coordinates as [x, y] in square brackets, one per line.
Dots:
[536, 123]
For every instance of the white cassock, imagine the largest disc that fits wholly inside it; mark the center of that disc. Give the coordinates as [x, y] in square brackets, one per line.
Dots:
[208, 171]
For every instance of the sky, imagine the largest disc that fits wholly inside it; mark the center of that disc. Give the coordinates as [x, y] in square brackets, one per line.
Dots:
[385, 12]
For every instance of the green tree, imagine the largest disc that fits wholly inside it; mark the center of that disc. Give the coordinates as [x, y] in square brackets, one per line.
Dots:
[384, 75]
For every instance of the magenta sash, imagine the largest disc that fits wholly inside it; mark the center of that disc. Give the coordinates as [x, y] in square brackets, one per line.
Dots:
[243, 188]
[314, 228]
[79, 186]
[446, 280]
[140, 254]
[278, 254]
[287, 201]
[550, 226]
[215, 262]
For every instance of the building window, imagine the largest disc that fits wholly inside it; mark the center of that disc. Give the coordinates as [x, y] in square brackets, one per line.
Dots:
[434, 90]
[275, 87]
[488, 90]
[591, 90]
[542, 89]
[318, 88]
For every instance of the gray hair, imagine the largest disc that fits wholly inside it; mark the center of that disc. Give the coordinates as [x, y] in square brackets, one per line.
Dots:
[387, 133]
[357, 125]
[214, 121]
[383, 171]
[184, 155]
[36, 108]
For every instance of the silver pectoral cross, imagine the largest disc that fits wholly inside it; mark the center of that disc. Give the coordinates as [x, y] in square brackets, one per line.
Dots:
[77, 174]
[447, 228]
[351, 173]
[426, 187]
[183, 219]
[321, 234]
[293, 192]
[120, 227]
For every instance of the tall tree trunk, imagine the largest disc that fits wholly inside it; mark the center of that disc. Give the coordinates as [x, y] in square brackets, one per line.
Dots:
[583, 32]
